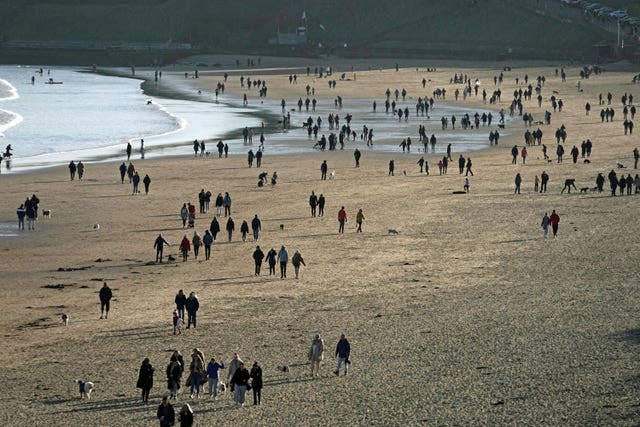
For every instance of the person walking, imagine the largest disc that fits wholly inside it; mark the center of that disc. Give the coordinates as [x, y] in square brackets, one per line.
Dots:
[256, 382]
[197, 370]
[469, 164]
[145, 379]
[233, 367]
[244, 230]
[230, 227]
[323, 170]
[313, 203]
[226, 202]
[21, 212]
[518, 181]
[544, 179]
[272, 255]
[343, 350]
[136, 182]
[213, 376]
[105, 300]
[185, 416]
[147, 182]
[159, 247]
[184, 215]
[321, 202]
[180, 301]
[283, 258]
[123, 172]
[256, 226]
[196, 242]
[316, 354]
[174, 377]
[342, 218]
[72, 170]
[80, 167]
[297, 261]
[192, 305]
[258, 256]
[359, 219]
[392, 167]
[207, 241]
[185, 247]
[554, 219]
[166, 413]
[240, 381]
[545, 225]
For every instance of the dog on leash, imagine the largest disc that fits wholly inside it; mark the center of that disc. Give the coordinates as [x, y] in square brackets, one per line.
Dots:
[46, 213]
[64, 318]
[222, 387]
[85, 387]
[332, 175]
[584, 189]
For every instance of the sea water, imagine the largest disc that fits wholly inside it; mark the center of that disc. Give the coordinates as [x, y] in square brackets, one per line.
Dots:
[92, 117]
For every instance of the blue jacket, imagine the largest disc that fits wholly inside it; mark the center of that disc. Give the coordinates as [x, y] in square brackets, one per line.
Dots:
[213, 368]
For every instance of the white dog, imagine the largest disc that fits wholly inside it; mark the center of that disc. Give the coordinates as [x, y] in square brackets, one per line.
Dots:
[332, 175]
[85, 387]
[96, 226]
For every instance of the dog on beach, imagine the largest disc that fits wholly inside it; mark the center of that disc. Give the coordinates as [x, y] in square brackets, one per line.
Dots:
[85, 388]
[64, 318]
[501, 125]
[620, 165]
[222, 387]
[393, 232]
[587, 161]
[281, 227]
[584, 189]
[46, 213]
[96, 226]
[332, 175]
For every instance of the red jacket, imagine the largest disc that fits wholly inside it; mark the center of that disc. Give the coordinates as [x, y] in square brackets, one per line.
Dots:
[342, 215]
[185, 245]
[554, 219]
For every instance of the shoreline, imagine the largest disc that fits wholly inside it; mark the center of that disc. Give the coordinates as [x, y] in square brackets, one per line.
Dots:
[177, 91]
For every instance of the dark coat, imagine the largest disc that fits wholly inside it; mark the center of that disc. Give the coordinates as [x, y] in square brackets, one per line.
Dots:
[169, 416]
[192, 305]
[145, 377]
[256, 377]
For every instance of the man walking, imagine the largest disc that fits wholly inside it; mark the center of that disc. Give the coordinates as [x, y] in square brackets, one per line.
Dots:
[105, 299]
[545, 225]
[258, 256]
[159, 246]
[342, 218]
[343, 349]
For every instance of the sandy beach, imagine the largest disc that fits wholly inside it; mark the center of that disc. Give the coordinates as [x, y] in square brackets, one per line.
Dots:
[465, 316]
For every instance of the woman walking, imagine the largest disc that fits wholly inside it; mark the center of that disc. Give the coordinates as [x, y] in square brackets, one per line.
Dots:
[145, 379]
[256, 382]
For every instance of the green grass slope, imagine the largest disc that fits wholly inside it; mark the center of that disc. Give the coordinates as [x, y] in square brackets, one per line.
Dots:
[456, 28]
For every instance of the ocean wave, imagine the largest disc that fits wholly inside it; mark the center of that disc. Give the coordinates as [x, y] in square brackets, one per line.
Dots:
[8, 91]
[8, 119]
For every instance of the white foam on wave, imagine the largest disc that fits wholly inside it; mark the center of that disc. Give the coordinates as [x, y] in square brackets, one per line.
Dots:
[14, 119]
[8, 92]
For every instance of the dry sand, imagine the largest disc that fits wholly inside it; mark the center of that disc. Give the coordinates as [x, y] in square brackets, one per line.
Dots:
[467, 316]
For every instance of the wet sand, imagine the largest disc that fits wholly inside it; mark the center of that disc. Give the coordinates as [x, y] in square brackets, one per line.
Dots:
[466, 316]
